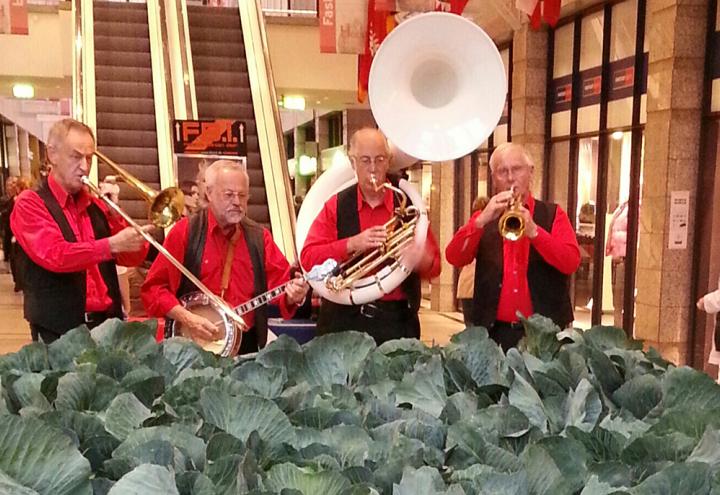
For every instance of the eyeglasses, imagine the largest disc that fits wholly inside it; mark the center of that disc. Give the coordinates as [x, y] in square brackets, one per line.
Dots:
[230, 195]
[367, 160]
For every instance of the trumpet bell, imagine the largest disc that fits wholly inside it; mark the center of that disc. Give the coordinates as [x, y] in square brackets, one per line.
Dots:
[167, 207]
[437, 86]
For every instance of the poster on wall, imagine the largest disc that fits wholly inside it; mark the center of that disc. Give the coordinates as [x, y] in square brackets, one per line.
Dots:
[13, 17]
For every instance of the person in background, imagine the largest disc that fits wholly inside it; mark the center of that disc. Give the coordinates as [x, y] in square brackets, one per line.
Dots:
[526, 276]
[466, 279]
[710, 302]
[192, 196]
[110, 188]
[7, 203]
[352, 221]
[69, 242]
[615, 247]
[233, 256]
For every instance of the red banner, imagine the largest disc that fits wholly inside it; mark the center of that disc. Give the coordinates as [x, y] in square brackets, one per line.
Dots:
[342, 26]
[13, 17]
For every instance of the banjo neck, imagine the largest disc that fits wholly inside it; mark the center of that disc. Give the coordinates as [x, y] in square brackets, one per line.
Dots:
[258, 301]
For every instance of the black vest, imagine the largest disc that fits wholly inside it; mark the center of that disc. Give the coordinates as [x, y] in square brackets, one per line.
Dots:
[549, 288]
[348, 225]
[56, 301]
[253, 232]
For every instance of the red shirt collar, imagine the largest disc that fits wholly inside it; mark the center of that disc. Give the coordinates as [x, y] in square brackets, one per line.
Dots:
[388, 200]
[82, 199]
[530, 203]
[213, 224]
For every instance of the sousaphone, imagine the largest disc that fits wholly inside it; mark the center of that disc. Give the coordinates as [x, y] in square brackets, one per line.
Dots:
[437, 90]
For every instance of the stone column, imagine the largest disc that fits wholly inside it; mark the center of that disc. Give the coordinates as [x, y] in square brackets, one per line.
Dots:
[442, 225]
[676, 37]
[529, 86]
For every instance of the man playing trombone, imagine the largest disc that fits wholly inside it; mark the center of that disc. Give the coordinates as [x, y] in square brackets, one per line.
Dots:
[352, 222]
[522, 270]
[69, 242]
[233, 256]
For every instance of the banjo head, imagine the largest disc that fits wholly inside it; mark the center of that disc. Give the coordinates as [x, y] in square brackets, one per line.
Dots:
[229, 342]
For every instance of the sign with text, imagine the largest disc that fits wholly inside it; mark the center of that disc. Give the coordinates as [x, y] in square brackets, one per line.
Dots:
[679, 218]
[210, 137]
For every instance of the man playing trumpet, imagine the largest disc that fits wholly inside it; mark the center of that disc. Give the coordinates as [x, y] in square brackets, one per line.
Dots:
[525, 276]
[351, 222]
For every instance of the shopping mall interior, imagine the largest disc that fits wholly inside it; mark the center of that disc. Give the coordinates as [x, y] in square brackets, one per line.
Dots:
[616, 104]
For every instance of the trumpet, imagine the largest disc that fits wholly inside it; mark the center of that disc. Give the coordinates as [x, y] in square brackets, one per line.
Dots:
[512, 223]
[400, 232]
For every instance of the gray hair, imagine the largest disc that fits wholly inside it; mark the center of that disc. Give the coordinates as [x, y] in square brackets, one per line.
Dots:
[506, 148]
[60, 129]
[214, 169]
[364, 131]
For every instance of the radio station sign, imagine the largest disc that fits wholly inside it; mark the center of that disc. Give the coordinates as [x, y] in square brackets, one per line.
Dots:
[212, 137]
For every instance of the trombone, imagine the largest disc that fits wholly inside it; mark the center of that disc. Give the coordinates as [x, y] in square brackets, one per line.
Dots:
[166, 208]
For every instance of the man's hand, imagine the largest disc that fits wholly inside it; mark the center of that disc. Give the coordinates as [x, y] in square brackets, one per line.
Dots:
[530, 226]
[367, 239]
[495, 207]
[128, 240]
[200, 328]
[296, 290]
[417, 256]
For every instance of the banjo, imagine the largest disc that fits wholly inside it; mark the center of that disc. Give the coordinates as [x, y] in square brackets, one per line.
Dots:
[229, 343]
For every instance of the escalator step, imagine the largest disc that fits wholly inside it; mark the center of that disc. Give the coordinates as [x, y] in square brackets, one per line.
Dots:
[133, 155]
[225, 110]
[148, 175]
[219, 63]
[110, 137]
[122, 44]
[126, 105]
[124, 89]
[216, 47]
[122, 121]
[223, 93]
[102, 12]
[109, 28]
[222, 78]
[122, 74]
[203, 34]
[214, 17]
[139, 60]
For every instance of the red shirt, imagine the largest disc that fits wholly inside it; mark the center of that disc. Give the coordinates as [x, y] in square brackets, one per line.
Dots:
[558, 248]
[163, 279]
[40, 237]
[322, 242]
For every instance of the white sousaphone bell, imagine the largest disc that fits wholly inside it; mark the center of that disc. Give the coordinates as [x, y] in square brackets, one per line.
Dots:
[437, 90]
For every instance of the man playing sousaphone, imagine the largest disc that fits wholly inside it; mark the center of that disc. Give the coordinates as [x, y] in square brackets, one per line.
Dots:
[352, 222]
[527, 275]
[232, 255]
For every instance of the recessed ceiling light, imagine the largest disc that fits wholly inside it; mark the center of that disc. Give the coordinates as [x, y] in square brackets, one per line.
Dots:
[21, 90]
[294, 102]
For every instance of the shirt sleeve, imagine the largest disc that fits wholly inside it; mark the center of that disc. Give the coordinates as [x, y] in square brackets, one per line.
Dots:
[712, 300]
[277, 269]
[40, 237]
[321, 242]
[162, 281]
[117, 223]
[431, 247]
[462, 248]
[559, 247]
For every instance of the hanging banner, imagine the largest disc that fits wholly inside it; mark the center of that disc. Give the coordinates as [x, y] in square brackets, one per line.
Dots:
[343, 25]
[13, 17]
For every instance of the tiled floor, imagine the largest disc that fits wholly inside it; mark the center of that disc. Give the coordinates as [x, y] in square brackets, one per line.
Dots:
[437, 328]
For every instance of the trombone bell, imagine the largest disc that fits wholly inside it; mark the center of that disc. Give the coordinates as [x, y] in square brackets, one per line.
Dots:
[166, 206]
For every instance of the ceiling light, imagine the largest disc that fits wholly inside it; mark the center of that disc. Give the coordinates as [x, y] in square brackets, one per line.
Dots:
[294, 102]
[23, 90]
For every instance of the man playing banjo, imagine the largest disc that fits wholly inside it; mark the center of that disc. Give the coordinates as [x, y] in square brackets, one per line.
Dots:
[233, 256]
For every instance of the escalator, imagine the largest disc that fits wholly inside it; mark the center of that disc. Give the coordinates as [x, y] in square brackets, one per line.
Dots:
[222, 87]
[125, 110]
